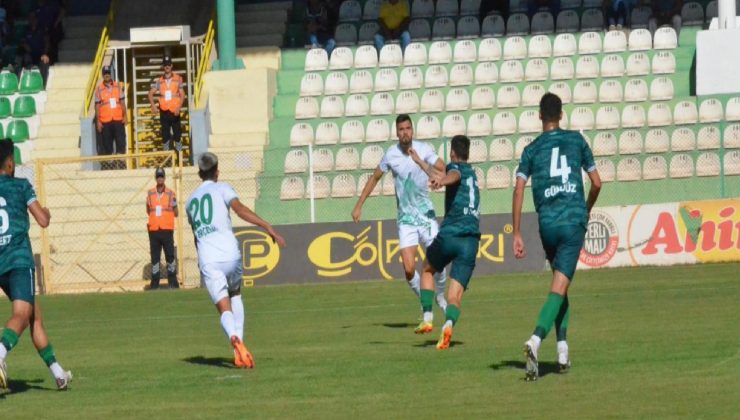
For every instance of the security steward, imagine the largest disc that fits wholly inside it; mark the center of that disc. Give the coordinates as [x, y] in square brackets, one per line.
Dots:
[110, 109]
[169, 86]
[161, 207]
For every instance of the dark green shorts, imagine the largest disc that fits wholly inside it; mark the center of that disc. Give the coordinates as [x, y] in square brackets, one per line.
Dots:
[18, 284]
[563, 246]
[460, 251]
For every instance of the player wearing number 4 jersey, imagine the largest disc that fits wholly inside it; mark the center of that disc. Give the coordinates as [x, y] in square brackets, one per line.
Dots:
[219, 258]
[554, 161]
[17, 199]
[458, 237]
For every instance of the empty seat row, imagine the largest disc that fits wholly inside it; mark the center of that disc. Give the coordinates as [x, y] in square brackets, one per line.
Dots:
[501, 176]
[657, 167]
[658, 140]
[485, 73]
[489, 49]
[352, 10]
[31, 82]
[458, 99]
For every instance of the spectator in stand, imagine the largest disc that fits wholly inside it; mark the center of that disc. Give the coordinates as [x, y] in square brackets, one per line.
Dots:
[36, 47]
[489, 7]
[617, 13]
[666, 12]
[318, 26]
[50, 14]
[393, 19]
[534, 6]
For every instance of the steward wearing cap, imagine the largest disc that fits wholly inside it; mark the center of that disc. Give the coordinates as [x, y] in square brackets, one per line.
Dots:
[110, 109]
[161, 207]
[169, 86]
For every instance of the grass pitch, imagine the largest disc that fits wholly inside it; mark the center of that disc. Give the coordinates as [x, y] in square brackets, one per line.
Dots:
[648, 342]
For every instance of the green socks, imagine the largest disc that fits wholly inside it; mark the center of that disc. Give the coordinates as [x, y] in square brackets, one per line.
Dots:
[47, 353]
[452, 313]
[561, 321]
[427, 299]
[549, 312]
[9, 339]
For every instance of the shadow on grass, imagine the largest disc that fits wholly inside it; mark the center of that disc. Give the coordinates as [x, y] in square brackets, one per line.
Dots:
[221, 362]
[430, 343]
[545, 368]
[17, 386]
[397, 325]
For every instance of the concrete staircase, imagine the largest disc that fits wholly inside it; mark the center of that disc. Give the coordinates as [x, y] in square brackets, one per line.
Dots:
[261, 24]
[59, 133]
[82, 34]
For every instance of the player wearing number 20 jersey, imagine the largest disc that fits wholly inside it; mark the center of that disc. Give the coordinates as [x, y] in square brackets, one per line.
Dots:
[219, 258]
[554, 161]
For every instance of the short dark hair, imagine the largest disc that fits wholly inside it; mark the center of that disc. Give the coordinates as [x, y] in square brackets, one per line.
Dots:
[209, 174]
[551, 107]
[6, 150]
[403, 117]
[461, 146]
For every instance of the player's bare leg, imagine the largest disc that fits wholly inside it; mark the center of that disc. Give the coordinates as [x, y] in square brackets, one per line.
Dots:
[46, 351]
[242, 356]
[548, 314]
[18, 322]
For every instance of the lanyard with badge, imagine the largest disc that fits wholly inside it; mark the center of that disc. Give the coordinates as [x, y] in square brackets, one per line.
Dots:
[167, 93]
[158, 207]
[111, 98]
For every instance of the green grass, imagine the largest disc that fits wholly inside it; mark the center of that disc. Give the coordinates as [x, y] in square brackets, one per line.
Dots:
[648, 342]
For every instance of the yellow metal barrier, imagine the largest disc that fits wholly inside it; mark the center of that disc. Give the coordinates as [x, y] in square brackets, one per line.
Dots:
[98, 62]
[204, 62]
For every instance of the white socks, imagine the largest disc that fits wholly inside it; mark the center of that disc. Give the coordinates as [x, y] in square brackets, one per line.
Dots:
[428, 317]
[414, 283]
[237, 308]
[447, 323]
[3, 353]
[57, 371]
[535, 341]
[228, 324]
[440, 281]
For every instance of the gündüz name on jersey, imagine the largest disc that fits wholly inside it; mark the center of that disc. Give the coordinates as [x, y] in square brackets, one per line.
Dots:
[554, 190]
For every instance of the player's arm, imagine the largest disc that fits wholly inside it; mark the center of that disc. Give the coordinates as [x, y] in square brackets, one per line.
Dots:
[246, 214]
[593, 193]
[41, 214]
[433, 171]
[450, 178]
[516, 217]
[369, 187]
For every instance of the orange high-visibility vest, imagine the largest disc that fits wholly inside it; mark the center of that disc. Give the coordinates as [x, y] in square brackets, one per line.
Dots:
[171, 85]
[109, 98]
[166, 202]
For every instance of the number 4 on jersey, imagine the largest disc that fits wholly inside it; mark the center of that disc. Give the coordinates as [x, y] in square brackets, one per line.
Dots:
[563, 171]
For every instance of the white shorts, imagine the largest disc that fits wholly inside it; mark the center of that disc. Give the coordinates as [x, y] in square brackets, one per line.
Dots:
[222, 279]
[414, 235]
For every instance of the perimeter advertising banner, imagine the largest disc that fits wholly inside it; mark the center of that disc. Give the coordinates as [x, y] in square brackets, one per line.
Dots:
[663, 234]
[334, 252]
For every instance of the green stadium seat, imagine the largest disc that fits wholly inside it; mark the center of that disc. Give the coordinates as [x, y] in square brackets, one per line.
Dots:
[4, 107]
[17, 155]
[25, 106]
[18, 131]
[31, 81]
[8, 83]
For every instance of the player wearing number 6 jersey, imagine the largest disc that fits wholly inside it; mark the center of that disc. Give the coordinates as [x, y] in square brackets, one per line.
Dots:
[219, 258]
[458, 237]
[554, 161]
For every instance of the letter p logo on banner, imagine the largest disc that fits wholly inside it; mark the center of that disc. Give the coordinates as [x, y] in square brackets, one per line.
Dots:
[259, 254]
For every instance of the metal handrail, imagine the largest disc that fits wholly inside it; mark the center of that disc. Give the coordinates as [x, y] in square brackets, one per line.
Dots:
[204, 61]
[98, 62]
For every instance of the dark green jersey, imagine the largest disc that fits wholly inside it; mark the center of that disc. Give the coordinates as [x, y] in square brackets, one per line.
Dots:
[554, 161]
[16, 194]
[462, 204]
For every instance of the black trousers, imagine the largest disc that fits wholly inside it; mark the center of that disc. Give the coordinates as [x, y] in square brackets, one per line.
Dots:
[171, 130]
[113, 142]
[157, 240]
